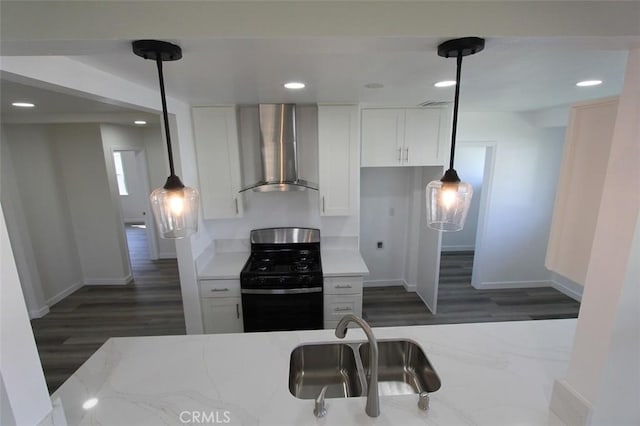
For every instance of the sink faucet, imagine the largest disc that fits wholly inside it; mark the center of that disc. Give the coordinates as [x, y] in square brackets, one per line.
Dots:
[373, 401]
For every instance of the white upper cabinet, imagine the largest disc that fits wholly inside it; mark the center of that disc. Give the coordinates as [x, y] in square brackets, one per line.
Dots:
[338, 159]
[394, 137]
[582, 174]
[217, 155]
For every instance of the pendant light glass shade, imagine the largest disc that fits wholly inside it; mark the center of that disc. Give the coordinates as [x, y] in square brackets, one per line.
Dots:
[175, 206]
[448, 205]
[448, 199]
[175, 211]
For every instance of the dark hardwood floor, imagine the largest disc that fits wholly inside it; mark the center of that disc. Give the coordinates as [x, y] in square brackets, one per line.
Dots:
[458, 302]
[152, 305]
[78, 325]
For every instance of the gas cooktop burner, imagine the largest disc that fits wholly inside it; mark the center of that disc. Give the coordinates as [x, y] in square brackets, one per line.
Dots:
[301, 267]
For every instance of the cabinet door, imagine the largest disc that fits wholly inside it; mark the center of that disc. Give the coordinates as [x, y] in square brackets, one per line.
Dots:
[382, 137]
[222, 315]
[218, 160]
[422, 142]
[338, 159]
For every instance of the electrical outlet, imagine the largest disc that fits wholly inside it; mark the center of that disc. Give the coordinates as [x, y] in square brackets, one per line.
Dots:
[379, 244]
[392, 211]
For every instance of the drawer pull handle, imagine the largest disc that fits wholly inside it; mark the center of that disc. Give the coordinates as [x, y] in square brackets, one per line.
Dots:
[237, 310]
[342, 310]
[220, 289]
[343, 286]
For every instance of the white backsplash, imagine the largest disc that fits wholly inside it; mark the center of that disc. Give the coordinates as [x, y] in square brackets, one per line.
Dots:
[269, 210]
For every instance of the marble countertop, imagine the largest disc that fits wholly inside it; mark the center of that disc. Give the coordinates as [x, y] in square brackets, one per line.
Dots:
[491, 373]
[340, 263]
[227, 265]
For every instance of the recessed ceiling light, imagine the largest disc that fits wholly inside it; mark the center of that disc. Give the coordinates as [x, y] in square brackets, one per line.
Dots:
[140, 122]
[23, 104]
[445, 83]
[374, 85]
[294, 85]
[90, 403]
[587, 83]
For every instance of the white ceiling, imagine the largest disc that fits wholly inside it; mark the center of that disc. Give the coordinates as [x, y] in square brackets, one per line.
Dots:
[509, 75]
[55, 106]
[242, 52]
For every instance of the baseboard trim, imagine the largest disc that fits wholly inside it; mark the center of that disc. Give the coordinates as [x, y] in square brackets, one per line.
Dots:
[494, 285]
[567, 287]
[571, 407]
[384, 283]
[409, 287]
[56, 416]
[458, 248]
[38, 313]
[109, 281]
[167, 256]
[431, 308]
[61, 295]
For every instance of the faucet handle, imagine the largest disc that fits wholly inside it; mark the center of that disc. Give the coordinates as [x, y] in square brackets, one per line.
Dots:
[423, 401]
[320, 409]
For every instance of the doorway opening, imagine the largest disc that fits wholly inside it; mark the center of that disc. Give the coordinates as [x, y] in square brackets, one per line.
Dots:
[133, 190]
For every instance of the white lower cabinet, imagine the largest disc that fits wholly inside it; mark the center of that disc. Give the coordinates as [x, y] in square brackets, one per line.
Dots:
[221, 306]
[342, 295]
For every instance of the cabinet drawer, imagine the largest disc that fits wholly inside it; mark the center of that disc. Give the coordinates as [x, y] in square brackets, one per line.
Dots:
[219, 288]
[335, 307]
[343, 285]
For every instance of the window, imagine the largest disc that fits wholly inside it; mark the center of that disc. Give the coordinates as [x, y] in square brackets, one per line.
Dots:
[122, 183]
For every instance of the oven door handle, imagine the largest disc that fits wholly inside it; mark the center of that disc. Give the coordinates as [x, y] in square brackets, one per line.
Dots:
[282, 290]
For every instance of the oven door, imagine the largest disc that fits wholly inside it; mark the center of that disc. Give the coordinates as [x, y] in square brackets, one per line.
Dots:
[282, 309]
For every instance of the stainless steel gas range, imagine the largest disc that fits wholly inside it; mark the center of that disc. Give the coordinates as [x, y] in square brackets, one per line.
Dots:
[281, 283]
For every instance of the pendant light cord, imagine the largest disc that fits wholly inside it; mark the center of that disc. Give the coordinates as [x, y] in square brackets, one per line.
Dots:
[455, 109]
[165, 115]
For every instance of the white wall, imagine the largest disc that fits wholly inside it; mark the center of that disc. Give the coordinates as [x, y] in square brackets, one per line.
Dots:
[601, 344]
[95, 214]
[385, 196]
[19, 234]
[43, 198]
[20, 369]
[623, 360]
[427, 255]
[514, 229]
[469, 162]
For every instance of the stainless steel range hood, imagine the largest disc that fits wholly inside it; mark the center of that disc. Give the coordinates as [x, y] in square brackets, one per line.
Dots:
[278, 151]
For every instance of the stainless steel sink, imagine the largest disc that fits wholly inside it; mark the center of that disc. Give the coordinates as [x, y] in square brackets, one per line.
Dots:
[403, 369]
[333, 365]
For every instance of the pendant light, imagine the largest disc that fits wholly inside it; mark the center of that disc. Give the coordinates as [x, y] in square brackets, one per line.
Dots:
[175, 206]
[448, 199]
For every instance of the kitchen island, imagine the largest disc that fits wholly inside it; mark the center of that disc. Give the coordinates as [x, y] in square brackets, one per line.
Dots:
[492, 374]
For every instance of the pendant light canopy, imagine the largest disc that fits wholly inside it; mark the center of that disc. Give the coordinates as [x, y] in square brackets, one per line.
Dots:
[175, 206]
[448, 199]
